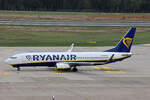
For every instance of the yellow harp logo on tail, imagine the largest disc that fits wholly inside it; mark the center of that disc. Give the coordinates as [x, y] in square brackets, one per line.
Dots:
[127, 42]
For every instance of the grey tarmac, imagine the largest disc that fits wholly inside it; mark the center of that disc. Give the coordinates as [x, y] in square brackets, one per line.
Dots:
[126, 80]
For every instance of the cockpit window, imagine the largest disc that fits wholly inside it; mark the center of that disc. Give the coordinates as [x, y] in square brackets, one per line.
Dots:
[13, 57]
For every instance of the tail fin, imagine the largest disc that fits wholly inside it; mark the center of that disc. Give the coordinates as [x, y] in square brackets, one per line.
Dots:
[126, 42]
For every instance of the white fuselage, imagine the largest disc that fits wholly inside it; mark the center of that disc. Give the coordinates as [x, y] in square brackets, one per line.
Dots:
[71, 58]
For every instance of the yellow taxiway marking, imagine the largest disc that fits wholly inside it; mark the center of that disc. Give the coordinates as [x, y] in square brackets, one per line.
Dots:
[115, 72]
[103, 68]
[11, 50]
[46, 79]
[59, 73]
[109, 70]
[92, 42]
[4, 73]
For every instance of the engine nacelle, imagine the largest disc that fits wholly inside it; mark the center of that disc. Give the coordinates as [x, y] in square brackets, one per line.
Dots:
[62, 66]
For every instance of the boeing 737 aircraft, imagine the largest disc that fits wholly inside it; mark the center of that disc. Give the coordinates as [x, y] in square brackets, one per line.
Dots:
[71, 60]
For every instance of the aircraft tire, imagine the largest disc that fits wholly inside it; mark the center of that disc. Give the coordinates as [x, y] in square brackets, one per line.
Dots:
[74, 69]
[18, 68]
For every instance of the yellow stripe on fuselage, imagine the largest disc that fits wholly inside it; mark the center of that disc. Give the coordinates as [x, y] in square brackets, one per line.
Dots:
[71, 60]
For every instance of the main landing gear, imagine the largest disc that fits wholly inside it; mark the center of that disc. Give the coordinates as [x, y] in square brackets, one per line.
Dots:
[18, 68]
[74, 69]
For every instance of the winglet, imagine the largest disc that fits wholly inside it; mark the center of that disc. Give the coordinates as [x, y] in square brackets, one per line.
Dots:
[111, 58]
[70, 48]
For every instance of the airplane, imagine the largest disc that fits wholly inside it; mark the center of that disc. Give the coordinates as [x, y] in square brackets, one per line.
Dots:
[71, 60]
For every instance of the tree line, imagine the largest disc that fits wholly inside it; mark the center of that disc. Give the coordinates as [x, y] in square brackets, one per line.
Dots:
[77, 5]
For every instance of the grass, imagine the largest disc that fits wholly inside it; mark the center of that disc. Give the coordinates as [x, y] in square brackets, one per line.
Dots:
[64, 35]
[67, 13]
[46, 13]
[73, 16]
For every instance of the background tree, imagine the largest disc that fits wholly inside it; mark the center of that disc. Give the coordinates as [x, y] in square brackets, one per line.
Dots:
[77, 5]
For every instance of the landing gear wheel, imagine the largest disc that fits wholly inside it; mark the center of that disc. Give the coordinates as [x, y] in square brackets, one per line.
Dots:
[74, 69]
[69, 69]
[18, 68]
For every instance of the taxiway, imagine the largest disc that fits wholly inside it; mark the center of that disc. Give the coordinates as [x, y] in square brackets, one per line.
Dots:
[126, 80]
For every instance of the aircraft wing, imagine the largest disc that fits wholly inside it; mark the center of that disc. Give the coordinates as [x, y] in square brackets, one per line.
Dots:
[70, 48]
[67, 65]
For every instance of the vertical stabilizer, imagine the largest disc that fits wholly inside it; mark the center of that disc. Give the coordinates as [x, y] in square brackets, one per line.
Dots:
[125, 43]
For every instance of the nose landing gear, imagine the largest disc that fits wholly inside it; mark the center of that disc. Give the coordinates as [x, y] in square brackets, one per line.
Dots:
[18, 68]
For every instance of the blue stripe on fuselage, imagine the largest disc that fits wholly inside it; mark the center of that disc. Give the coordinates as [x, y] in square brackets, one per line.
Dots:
[54, 63]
